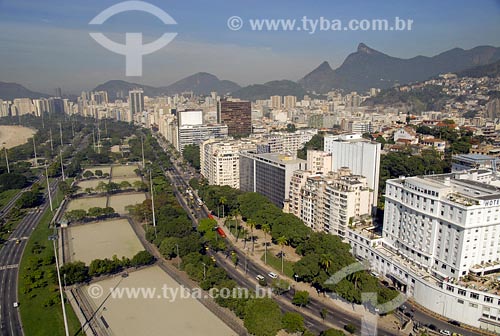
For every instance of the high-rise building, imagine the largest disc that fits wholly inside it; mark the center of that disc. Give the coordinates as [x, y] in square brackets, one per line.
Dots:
[23, 106]
[268, 174]
[237, 115]
[190, 117]
[220, 161]
[196, 134]
[329, 203]
[449, 223]
[276, 102]
[136, 102]
[290, 102]
[358, 154]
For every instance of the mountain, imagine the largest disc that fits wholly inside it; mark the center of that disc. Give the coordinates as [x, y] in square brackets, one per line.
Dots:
[10, 91]
[202, 83]
[368, 68]
[488, 70]
[264, 91]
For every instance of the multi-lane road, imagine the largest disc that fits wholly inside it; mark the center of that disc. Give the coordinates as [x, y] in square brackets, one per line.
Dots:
[10, 258]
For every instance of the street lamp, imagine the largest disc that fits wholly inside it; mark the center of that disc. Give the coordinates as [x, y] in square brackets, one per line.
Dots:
[6, 158]
[54, 237]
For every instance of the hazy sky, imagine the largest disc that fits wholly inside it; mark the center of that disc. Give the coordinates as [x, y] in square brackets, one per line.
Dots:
[46, 44]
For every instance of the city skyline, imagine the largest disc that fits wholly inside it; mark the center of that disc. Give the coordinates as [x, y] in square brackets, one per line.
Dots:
[52, 41]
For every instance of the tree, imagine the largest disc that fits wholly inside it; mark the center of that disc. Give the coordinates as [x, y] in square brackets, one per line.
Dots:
[142, 258]
[223, 201]
[75, 272]
[281, 242]
[326, 261]
[350, 328]
[323, 313]
[191, 153]
[266, 229]
[125, 185]
[12, 181]
[252, 225]
[88, 174]
[293, 322]
[301, 298]
[290, 128]
[98, 173]
[29, 199]
[262, 317]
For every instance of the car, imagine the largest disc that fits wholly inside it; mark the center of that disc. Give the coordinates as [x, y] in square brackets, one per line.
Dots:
[445, 332]
[432, 327]
[15, 304]
[259, 278]
[18, 241]
[272, 275]
[455, 323]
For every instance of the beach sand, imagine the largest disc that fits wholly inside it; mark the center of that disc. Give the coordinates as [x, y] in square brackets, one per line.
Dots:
[14, 136]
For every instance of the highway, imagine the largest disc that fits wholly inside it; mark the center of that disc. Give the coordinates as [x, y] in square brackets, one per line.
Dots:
[10, 257]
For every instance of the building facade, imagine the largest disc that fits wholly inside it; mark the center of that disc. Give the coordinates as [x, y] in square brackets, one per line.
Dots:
[237, 115]
[268, 174]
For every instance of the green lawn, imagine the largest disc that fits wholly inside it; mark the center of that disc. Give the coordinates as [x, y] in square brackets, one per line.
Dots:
[13, 218]
[40, 308]
[275, 263]
[6, 196]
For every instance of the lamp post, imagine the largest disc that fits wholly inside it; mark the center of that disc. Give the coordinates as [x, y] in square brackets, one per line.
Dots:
[6, 158]
[48, 187]
[66, 329]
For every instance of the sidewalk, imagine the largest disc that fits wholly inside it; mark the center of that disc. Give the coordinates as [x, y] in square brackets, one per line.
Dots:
[357, 311]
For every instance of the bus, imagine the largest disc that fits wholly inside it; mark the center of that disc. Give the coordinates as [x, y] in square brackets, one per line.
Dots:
[221, 232]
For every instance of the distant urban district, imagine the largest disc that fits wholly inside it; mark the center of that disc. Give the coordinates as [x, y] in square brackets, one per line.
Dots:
[394, 186]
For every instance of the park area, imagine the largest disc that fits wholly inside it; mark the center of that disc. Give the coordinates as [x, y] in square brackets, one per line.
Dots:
[101, 240]
[153, 314]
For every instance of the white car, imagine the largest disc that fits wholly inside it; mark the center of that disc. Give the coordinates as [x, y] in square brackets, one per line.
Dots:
[272, 275]
[259, 278]
[15, 304]
[445, 332]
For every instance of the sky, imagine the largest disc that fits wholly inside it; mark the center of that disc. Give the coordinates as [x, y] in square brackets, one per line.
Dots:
[46, 44]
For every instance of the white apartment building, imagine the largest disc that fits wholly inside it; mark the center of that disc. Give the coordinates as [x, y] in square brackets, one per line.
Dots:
[361, 156]
[285, 142]
[220, 160]
[331, 202]
[449, 224]
[196, 134]
[440, 244]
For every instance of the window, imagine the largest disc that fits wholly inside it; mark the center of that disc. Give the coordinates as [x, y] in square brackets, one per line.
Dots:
[474, 296]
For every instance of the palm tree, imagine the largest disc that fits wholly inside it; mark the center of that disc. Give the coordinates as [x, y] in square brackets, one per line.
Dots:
[222, 201]
[252, 224]
[282, 242]
[266, 229]
[354, 277]
[326, 261]
[236, 213]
